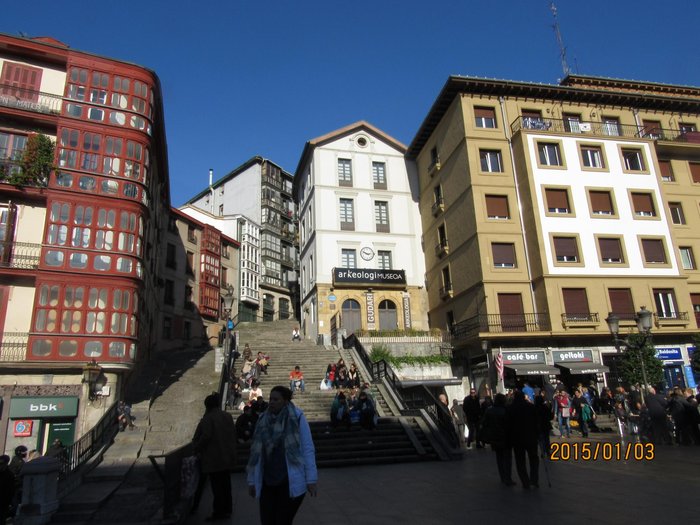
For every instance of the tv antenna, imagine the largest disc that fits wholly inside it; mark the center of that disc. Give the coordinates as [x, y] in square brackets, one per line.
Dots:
[560, 41]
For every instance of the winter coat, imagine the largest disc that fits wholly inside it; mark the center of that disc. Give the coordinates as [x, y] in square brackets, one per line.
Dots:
[215, 441]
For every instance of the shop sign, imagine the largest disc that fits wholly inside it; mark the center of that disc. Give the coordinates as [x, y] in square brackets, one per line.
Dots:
[406, 311]
[689, 377]
[669, 353]
[332, 297]
[568, 356]
[22, 428]
[43, 407]
[513, 358]
[369, 277]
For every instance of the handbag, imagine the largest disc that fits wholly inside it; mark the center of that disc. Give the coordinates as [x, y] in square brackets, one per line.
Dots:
[565, 412]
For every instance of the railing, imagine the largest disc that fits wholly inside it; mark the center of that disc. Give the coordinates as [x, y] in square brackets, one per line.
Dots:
[446, 291]
[401, 336]
[171, 476]
[421, 399]
[276, 205]
[13, 346]
[496, 323]
[660, 317]
[21, 255]
[91, 443]
[272, 181]
[30, 100]
[442, 248]
[438, 206]
[571, 318]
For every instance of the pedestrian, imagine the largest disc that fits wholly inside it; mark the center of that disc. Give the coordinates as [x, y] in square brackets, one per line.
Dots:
[494, 428]
[582, 412]
[522, 432]
[544, 422]
[562, 409]
[656, 408]
[458, 417]
[296, 379]
[472, 413]
[7, 488]
[15, 467]
[296, 336]
[529, 392]
[214, 442]
[282, 464]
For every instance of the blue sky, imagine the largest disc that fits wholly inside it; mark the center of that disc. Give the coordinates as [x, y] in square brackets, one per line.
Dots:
[244, 78]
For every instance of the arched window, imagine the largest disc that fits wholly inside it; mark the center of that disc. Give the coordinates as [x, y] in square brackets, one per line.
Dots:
[388, 320]
[351, 318]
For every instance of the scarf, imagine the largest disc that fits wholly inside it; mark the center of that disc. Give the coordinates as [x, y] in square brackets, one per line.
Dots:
[271, 431]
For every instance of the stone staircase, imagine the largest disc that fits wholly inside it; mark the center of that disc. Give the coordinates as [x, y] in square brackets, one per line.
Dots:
[396, 438]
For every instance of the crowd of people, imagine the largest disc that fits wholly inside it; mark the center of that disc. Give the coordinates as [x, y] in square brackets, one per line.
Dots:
[354, 406]
[244, 386]
[338, 376]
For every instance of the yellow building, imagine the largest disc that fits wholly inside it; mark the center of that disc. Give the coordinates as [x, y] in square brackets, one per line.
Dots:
[545, 207]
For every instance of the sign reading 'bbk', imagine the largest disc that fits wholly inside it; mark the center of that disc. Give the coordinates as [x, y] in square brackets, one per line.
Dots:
[43, 407]
[369, 277]
[522, 358]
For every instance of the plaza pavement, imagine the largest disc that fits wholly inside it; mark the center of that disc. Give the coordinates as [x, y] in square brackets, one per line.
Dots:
[462, 492]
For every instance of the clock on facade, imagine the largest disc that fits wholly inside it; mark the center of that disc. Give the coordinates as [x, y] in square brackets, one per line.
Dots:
[367, 253]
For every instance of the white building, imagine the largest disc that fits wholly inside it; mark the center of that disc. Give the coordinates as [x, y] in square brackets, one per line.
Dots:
[361, 261]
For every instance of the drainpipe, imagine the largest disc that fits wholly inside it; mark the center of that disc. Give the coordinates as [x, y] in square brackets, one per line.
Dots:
[211, 191]
[504, 118]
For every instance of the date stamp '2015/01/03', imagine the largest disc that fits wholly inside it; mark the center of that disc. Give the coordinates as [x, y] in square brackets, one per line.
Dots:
[585, 451]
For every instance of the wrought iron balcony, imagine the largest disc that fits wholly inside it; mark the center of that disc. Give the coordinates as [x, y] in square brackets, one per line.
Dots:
[498, 323]
[20, 255]
[603, 129]
[438, 206]
[580, 318]
[13, 346]
[30, 100]
[446, 291]
[442, 248]
[661, 318]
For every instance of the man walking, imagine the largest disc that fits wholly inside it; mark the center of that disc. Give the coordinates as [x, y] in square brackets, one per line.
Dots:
[523, 433]
[472, 413]
[214, 442]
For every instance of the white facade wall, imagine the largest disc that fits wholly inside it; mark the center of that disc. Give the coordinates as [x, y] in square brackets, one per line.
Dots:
[586, 227]
[240, 195]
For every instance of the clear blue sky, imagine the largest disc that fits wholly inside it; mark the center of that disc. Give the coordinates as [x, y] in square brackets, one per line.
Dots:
[245, 77]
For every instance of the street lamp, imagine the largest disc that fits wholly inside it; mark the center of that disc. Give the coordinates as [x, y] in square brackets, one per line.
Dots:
[91, 376]
[643, 320]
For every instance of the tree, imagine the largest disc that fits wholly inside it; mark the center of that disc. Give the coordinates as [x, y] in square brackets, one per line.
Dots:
[632, 357]
[36, 162]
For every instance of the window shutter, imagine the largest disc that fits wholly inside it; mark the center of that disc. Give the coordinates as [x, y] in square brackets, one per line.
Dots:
[643, 203]
[610, 249]
[557, 199]
[695, 171]
[653, 251]
[601, 201]
[565, 247]
[575, 301]
[503, 254]
[485, 113]
[497, 206]
[621, 302]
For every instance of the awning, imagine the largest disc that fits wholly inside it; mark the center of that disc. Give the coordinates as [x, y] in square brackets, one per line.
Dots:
[533, 370]
[584, 368]
[407, 383]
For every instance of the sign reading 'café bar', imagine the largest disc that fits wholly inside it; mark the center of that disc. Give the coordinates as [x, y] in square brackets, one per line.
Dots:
[369, 277]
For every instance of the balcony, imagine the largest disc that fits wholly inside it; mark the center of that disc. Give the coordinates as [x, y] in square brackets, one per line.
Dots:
[434, 166]
[446, 292]
[13, 346]
[19, 255]
[601, 129]
[671, 319]
[442, 248]
[272, 181]
[501, 323]
[580, 319]
[275, 205]
[30, 100]
[438, 207]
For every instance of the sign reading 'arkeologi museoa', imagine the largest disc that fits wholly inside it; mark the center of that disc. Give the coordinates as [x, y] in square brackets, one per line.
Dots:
[369, 277]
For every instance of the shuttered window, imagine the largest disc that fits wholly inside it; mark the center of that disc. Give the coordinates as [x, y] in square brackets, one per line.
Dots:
[565, 249]
[610, 250]
[654, 252]
[666, 171]
[621, 303]
[601, 203]
[643, 205]
[485, 117]
[503, 255]
[557, 200]
[695, 171]
[18, 80]
[497, 207]
[575, 302]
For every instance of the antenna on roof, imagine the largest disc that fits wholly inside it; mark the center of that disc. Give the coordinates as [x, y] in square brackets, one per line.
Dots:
[560, 41]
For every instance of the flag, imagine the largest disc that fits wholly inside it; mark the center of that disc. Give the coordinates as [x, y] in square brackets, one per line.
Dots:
[499, 365]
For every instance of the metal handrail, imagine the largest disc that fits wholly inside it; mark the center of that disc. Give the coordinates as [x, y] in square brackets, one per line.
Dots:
[583, 317]
[30, 100]
[13, 346]
[498, 323]
[550, 125]
[21, 255]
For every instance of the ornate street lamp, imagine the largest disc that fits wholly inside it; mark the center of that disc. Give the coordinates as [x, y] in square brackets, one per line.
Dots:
[92, 373]
[643, 320]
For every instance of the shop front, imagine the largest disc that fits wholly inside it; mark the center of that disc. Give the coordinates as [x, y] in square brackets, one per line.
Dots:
[579, 366]
[36, 421]
[528, 366]
[674, 365]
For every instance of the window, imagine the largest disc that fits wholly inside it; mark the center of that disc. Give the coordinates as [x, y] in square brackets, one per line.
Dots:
[685, 127]
[549, 154]
[381, 216]
[503, 254]
[611, 126]
[592, 157]
[633, 159]
[666, 171]
[676, 209]
[665, 301]
[654, 252]
[687, 258]
[610, 250]
[379, 175]
[601, 202]
[491, 161]
[576, 304]
[497, 207]
[485, 117]
[384, 260]
[439, 203]
[532, 119]
[572, 123]
[694, 171]
[20, 81]
[652, 129]
[557, 200]
[344, 172]
[170, 256]
[169, 296]
[643, 205]
[347, 214]
[566, 250]
[621, 303]
[348, 258]
[167, 328]
[442, 235]
[446, 290]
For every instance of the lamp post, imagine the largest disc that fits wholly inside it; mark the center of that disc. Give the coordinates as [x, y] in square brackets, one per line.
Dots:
[91, 375]
[643, 320]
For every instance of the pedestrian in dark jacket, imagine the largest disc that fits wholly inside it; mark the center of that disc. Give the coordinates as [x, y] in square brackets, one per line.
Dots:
[7, 488]
[678, 409]
[494, 427]
[472, 413]
[214, 442]
[656, 408]
[522, 431]
[543, 409]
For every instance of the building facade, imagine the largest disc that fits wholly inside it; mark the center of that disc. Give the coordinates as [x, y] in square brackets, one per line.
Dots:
[546, 207]
[84, 190]
[261, 191]
[198, 270]
[361, 263]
